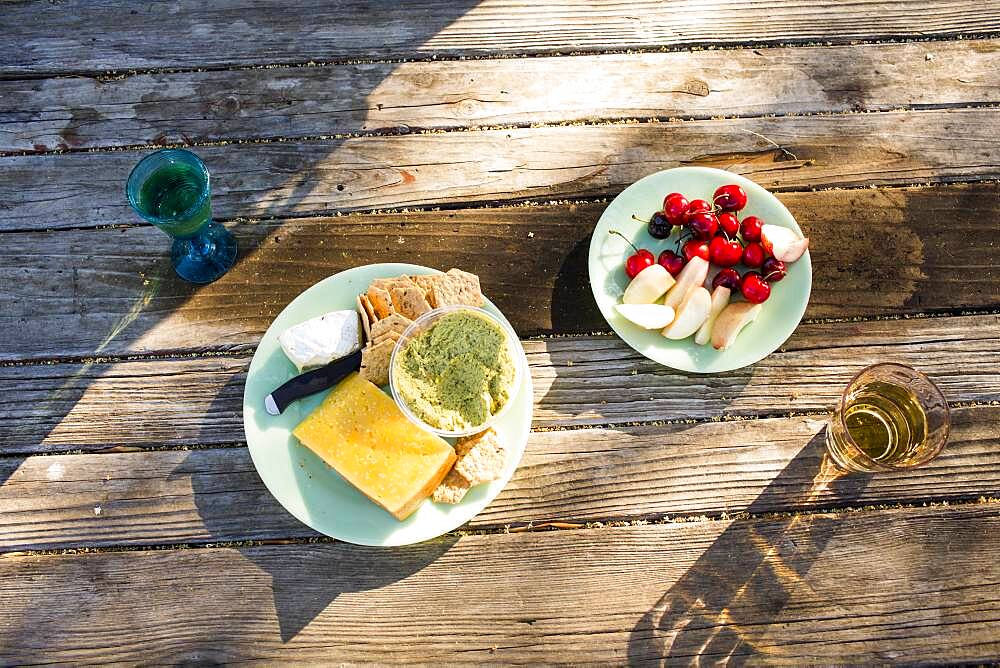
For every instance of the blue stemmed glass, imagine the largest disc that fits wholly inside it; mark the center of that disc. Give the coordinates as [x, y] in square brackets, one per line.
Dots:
[171, 189]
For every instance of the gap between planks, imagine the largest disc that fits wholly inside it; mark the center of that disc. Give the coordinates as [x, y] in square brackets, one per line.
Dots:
[458, 129]
[167, 355]
[107, 75]
[550, 525]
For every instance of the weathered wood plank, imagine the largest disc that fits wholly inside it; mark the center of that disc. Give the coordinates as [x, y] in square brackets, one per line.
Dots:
[186, 107]
[923, 588]
[577, 381]
[892, 251]
[82, 37]
[289, 178]
[151, 498]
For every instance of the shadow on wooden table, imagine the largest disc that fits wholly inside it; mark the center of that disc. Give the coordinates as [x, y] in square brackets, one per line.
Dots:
[740, 585]
[304, 577]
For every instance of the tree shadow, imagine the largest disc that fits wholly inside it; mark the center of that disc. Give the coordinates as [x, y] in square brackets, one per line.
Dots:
[740, 584]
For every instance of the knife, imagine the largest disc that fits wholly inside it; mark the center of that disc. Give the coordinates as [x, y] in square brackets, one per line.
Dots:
[311, 382]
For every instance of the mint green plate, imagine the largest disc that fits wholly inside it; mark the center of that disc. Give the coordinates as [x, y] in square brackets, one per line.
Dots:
[309, 489]
[781, 313]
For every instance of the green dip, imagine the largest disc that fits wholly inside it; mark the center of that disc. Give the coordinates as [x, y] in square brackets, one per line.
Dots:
[456, 374]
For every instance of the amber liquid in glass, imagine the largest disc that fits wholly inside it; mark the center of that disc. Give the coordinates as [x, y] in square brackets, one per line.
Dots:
[887, 423]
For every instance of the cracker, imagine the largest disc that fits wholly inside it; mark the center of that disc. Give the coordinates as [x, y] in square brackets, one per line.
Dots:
[426, 283]
[389, 335]
[365, 323]
[388, 284]
[410, 302]
[452, 489]
[457, 288]
[394, 323]
[480, 457]
[375, 362]
[366, 304]
[381, 301]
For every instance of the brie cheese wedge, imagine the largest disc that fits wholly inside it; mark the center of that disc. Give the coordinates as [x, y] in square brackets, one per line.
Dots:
[322, 339]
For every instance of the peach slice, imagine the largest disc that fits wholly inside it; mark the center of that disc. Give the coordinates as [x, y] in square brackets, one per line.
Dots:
[720, 299]
[731, 322]
[784, 244]
[648, 285]
[691, 313]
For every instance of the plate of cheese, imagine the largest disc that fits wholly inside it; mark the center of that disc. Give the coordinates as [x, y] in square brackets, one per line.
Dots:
[353, 463]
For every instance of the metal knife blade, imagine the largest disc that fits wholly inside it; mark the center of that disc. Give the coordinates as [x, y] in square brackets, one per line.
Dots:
[311, 382]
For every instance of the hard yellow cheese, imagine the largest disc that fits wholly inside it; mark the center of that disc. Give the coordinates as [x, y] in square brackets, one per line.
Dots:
[360, 432]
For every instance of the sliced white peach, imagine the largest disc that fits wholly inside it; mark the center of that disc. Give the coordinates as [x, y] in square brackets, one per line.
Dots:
[692, 275]
[720, 299]
[649, 285]
[647, 316]
[691, 313]
[731, 322]
[784, 244]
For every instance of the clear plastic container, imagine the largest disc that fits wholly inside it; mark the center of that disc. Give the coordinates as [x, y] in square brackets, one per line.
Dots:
[424, 323]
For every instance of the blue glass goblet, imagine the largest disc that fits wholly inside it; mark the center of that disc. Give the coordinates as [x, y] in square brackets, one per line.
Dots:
[171, 189]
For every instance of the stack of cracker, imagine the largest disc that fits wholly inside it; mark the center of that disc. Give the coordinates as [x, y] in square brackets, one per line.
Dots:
[390, 304]
[481, 458]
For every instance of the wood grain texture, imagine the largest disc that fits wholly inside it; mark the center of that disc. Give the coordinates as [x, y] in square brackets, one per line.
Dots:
[186, 107]
[76, 36]
[875, 252]
[772, 465]
[577, 381]
[288, 178]
[769, 591]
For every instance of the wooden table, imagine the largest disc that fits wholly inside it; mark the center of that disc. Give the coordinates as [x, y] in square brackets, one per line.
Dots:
[656, 515]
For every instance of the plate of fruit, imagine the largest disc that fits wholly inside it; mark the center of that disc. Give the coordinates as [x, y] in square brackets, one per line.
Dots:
[700, 269]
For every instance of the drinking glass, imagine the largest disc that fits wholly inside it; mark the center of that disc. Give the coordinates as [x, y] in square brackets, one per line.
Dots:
[889, 418]
[171, 189]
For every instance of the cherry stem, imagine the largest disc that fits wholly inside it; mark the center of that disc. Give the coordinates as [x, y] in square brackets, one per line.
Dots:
[635, 217]
[625, 238]
[771, 274]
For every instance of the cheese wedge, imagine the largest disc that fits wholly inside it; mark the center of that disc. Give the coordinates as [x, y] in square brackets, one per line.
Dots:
[360, 432]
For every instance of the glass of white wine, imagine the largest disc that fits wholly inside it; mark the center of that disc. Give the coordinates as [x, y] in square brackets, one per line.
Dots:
[890, 418]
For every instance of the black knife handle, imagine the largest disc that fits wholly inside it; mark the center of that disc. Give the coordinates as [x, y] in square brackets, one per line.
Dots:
[316, 380]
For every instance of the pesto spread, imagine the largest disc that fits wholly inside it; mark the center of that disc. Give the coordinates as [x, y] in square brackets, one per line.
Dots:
[456, 374]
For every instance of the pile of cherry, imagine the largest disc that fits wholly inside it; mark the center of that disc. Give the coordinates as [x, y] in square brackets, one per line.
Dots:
[714, 233]
[670, 293]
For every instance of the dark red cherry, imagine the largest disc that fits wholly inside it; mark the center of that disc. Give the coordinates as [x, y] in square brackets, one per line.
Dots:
[754, 288]
[730, 278]
[774, 270]
[729, 223]
[725, 252]
[753, 255]
[675, 208]
[750, 228]
[704, 225]
[695, 248]
[671, 261]
[730, 197]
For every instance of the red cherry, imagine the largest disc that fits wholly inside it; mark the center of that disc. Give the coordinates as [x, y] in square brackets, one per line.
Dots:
[725, 252]
[754, 288]
[730, 224]
[730, 197]
[695, 248]
[704, 225]
[730, 278]
[675, 207]
[638, 260]
[774, 270]
[753, 255]
[671, 261]
[750, 228]
[699, 206]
